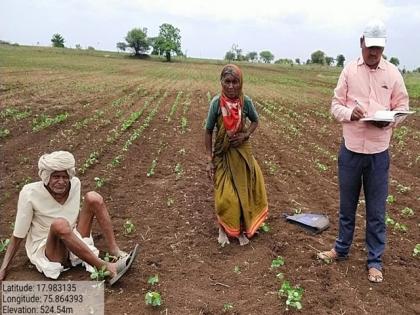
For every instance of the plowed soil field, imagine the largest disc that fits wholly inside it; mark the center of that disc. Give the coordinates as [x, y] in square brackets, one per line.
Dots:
[136, 130]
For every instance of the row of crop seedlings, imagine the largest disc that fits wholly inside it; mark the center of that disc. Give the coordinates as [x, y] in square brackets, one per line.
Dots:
[136, 133]
[116, 107]
[11, 115]
[162, 146]
[178, 169]
[93, 157]
[290, 131]
[99, 117]
[146, 123]
[43, 121]
[39, 122]
[184, 119]
[115, 133]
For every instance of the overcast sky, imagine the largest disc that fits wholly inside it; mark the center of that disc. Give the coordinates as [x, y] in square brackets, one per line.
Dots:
[289, 29]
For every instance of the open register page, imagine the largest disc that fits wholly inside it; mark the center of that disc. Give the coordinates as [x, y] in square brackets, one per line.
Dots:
[387, 115]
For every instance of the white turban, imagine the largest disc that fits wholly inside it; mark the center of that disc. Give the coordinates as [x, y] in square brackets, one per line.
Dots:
[56, 161]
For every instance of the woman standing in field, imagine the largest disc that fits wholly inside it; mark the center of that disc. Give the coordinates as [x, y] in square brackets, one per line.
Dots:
[240, 196]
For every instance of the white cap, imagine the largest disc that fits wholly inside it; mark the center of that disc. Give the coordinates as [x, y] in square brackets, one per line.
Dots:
[375, 34]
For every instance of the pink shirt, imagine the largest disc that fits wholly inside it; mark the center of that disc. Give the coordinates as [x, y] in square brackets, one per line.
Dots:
[374, 89]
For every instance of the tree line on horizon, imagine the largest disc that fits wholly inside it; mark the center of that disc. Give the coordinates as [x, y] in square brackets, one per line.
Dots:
[168, 43]
[317, 57]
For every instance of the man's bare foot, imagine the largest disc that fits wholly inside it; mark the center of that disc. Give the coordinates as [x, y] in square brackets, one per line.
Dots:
[223, 238]
[243, 240]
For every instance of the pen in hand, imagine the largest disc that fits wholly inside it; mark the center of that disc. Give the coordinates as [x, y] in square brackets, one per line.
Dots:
[358, 111]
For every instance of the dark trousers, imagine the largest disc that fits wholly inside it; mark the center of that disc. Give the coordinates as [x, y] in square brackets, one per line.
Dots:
[371, 170]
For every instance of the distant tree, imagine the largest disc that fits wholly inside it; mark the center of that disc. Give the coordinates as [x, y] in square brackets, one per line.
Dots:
[297, 61]
[284, 61]
[384, 56]
[252, 56]
[329, 60]
[57, 40]
[340, 60]
[137, 40]
[318, 57]
[417, 70]
[121, 46]
[238, 52]
[308, 61]
[155, 48]
[168, 41]
[230, 55]
[90, 48]
[78, 46]
[266, 56]
[394, 61]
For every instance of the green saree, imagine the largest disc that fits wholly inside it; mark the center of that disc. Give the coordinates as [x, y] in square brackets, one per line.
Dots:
[240, 196]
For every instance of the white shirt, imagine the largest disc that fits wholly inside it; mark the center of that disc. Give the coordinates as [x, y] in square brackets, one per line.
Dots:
[37, 209]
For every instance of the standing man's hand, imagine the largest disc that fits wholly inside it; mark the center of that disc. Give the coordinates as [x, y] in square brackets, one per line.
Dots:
[380, 124]
[357, 113]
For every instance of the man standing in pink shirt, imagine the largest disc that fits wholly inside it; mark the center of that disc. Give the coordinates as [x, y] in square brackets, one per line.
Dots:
[365, 86]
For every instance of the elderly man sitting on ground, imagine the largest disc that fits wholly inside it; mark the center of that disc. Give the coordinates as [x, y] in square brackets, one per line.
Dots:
[57, 232]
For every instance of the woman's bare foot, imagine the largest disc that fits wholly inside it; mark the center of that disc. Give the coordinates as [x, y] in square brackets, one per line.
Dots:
[243, 240]
[223, 238]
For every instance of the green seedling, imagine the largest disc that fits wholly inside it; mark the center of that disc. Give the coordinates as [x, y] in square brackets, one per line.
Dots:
[153, 280]
[400, 134]
[390, 199]
[278, 262]
[116, 161]
[92, 159]
[407, 212]
[237, 270]
[151, 170]
[265, 227]
[100, 274]
[297, 210]
[4, 132]
[14, 113]
[43, 121]
[99, 182]
[403, 189]
[272, 167]
[178, 170]
[184, 123]
[389, 220]
[4, 244]
[170, 201]
[227, 307]
[129, 227]
[153, 298]
[400, 227]
[293, 294]
[416, 251]
[322, 167]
